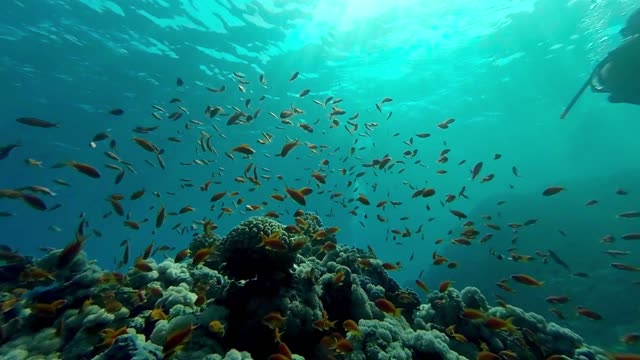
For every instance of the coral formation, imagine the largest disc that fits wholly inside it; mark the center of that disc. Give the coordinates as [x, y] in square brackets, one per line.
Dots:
[265, 286]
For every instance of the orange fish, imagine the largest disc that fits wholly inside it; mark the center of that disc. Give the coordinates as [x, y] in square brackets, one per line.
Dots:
[69, 253]
[363, 199]
[286, 148]
[590, 314]
[324, 324]
[472, 314]
[344, 346]
[444, 286]
[177, 338]
[202, 255]
[142, 266]
[182, 255]
[422, 286]
[272, 242]
[391, 267]
[218, 196]
[244, 149]
[526, 280]
[387, 307]
[297, 196]
[274, 320]
[495, 323]
[49, 309]
[351, 327]
[82, 168]
[110, 335]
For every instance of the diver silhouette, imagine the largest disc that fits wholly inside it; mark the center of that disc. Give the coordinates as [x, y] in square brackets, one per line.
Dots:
[618, 74]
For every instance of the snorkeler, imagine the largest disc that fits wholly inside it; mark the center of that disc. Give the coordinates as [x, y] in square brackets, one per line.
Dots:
[619, 73]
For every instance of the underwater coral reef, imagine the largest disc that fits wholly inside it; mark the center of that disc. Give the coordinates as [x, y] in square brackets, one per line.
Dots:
[265, 290]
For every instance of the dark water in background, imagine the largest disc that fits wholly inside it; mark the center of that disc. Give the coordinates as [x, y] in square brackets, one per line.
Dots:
[504, 72]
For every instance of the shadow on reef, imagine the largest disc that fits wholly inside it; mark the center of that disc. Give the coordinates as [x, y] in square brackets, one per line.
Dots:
[260, 287]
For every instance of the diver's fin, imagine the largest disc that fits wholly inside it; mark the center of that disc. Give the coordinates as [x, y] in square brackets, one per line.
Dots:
[575, 98]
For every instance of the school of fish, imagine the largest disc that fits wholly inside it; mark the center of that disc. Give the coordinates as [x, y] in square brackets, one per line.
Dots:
[333, 171]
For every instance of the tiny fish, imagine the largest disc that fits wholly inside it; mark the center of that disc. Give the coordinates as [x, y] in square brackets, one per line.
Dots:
[514, 170]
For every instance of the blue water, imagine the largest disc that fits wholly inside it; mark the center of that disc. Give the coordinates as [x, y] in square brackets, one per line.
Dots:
[503, 70]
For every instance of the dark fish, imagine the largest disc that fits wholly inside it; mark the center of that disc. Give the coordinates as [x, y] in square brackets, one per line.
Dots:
[5, 150]
[514, 170]
[294, 76]
[116, 112]
[119, 177]
[100, 136]
[179, 82]
[476, 170]
[631, 236]
[35, 122]
[558, 261]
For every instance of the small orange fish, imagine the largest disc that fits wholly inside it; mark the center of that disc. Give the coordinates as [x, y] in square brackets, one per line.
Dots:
[158, 314]
[344, 346]
[351, 327]
[182, 255]
[110, 335]
[364, 263]
[272, 242]
[444, 286]
[244, 149]
[422, 286]
[390, 267]
[328, 246]
[274, 320]
[202, 255]
[472, 314]
[286, 148]
[590, 314]
[176, 339]
[217, 196]
[324, 324]
[526, 280]
[49, 309]
[387, 307]
[216, 327]
[495, 323]
[142, 266]
[82, 168]
[297, 196]
[363, 199]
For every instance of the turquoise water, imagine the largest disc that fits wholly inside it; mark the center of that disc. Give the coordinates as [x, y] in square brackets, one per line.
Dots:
[503, 72]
